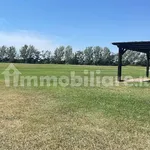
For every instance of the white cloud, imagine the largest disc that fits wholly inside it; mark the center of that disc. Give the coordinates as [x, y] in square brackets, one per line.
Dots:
[19, 38]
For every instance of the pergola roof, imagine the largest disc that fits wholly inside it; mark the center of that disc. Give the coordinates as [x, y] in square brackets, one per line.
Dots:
[142, 46]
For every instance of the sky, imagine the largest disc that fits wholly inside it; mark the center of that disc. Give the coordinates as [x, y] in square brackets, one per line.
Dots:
[47, 24]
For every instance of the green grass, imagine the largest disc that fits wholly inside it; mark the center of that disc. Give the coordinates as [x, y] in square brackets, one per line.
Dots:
[74, 117]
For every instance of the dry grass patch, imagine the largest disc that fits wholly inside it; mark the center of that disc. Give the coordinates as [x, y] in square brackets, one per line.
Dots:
[37, 120]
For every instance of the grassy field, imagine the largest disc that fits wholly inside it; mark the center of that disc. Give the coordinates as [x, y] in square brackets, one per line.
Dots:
[74, 118]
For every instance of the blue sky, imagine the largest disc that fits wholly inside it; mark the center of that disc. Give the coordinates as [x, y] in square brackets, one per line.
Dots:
[80, 23]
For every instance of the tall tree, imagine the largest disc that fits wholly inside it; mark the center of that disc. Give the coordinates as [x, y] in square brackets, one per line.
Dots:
[142, 60]
[68, 55]
[3, 53]
[47, 55]
[30, 54]
[79, 58]
[11, 53]
[106, 56]
[33, 54]
[59, 54]
[88, 55]
[24, 53]
[97, 55]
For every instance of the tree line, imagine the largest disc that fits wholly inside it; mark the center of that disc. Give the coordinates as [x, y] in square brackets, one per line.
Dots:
[65, 55]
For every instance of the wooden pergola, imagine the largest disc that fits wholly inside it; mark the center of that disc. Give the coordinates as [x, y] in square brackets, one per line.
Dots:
[143, 46]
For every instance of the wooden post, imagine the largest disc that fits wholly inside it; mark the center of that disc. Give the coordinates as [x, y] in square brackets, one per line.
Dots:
[147, 68]
[120, 64]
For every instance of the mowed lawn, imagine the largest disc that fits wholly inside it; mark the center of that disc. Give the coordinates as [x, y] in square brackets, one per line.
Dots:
[74, 118]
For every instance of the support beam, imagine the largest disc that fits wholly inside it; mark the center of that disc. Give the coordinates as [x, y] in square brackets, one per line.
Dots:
[120, 64]
[147, 68]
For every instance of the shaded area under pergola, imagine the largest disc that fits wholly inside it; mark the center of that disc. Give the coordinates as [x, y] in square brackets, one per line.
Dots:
[143, 46]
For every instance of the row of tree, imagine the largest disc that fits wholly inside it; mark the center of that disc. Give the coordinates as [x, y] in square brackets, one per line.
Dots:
[65, 55]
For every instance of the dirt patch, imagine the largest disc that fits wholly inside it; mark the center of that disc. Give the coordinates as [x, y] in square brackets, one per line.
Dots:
[138, 80]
